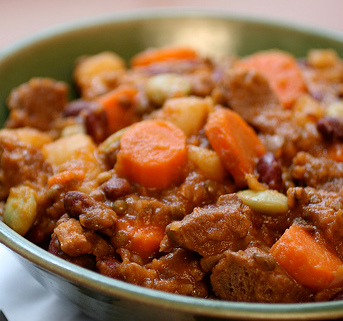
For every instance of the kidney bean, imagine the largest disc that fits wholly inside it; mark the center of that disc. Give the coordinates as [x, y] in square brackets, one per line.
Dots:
[330, 127]
[270, 171]
[75, 107]
[116, 187]
[96, 123]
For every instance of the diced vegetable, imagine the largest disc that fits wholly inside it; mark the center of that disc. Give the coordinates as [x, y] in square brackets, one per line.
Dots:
[281, 70]
[322, 58]
[235, 141]
[155, 55]
[180, 111]
[118, 105]
[306, 258]
[335, 109]
[89, 67]
[143, 240]
[269, 202]
[21, 209]
[27, 135]
[207, 161]
[66, 176]
[161, 87]
[152, 153]
[307, 109]
[67, 148]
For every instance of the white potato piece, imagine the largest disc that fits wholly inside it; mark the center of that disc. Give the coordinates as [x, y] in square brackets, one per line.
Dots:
[187, 113]
[21, 209]
[68, 148]
[92, 66]
[207, 161]
[28, 136]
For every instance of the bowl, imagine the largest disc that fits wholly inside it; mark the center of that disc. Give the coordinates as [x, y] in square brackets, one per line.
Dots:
[52, 53]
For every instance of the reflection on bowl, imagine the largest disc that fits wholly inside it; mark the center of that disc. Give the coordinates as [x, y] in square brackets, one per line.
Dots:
[52, 53]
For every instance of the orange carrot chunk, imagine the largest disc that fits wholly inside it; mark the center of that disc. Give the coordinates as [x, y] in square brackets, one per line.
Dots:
[155, 55]
[118, 105]
[305, 258]
[66, 177]
[152, 153]
[236, 143]
[143, 240]
[281, 70]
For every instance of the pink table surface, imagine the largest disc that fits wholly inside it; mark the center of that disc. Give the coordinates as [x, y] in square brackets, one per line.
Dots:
[20, 18]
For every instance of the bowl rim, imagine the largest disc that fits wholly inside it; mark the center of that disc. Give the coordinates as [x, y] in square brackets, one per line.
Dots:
[165, 12]
[121, 289]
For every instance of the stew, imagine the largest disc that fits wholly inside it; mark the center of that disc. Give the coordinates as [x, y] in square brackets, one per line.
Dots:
[212, 177]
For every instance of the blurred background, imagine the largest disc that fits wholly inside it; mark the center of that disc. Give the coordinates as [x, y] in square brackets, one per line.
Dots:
[20, 18]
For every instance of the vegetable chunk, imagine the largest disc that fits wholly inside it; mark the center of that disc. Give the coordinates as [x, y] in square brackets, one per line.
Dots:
[307, 260]
[152, 153]
[236, 143]
[155, 55]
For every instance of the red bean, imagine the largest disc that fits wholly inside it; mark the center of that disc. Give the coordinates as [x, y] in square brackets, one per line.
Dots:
[116, 187]
[270, 171]
[330, 127]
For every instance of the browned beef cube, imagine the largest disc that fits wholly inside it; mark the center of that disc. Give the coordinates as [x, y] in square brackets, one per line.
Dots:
[36, 103]
[253, 276]
[212, 230]
[322, 209]
[20, 163]
[321, 173]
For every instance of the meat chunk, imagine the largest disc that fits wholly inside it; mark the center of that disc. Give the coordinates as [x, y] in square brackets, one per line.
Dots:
[212, 230]
[320, 173]
[253, 276]
[20, 163]
[75, 241]
[92, 214]
[250, 95]
[36, 103]
[177, 272]
[322, 209]
[86, 260]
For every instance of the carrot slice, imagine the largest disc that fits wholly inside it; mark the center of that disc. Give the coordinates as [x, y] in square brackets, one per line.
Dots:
[152, 153]
[281, 70]
[236, 143]
[143, 240]
[155, 55]
[305, 258]
[118, 105]
[66, 176]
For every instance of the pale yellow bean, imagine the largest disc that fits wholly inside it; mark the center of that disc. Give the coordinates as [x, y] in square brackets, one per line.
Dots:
[269, 202]
[161, 87]
[335, 109]
[21, 209]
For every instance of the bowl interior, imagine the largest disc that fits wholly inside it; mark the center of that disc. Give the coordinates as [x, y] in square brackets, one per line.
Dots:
[52, 53]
